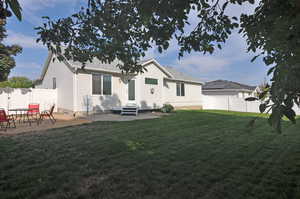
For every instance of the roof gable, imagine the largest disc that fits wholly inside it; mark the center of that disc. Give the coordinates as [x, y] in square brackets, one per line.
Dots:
[97, 65]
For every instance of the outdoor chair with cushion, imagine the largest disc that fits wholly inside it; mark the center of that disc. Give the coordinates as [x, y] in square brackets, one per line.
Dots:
[8, 119]
[49, 114]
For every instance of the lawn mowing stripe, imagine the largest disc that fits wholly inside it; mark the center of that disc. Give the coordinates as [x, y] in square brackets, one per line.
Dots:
[179, 142]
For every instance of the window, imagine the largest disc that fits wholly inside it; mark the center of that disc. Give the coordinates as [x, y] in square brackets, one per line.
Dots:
[96, 84]
[180, 89]
[101, 84]
[54, 82]
[106, 84]
[151, 81]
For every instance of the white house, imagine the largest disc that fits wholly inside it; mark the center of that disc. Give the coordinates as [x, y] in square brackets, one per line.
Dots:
[220, 88]
[101, 87]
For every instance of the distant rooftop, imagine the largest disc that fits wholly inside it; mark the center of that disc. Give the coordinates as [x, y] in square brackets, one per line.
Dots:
[226, 85]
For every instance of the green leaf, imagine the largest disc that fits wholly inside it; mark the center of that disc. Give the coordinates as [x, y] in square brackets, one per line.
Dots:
[16, 8]
[254, 58]
[262, 108]
[289, 102]
[290, 114]
[271, 70]
[250, 99]
[159, 49]
[225, 5]
[263, 94]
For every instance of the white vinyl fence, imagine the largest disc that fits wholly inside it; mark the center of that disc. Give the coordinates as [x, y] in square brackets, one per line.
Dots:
[20, 98]
[232, 103]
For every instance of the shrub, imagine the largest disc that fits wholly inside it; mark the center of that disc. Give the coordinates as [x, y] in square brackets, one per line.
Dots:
[17, 82]
[167, 108]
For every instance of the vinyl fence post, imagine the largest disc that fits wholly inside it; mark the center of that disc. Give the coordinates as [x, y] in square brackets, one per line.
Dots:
[227, 103]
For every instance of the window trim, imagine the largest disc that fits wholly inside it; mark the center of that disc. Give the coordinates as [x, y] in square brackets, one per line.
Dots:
[181, 85]
[111, 79]
[102, 74]
[151, 79]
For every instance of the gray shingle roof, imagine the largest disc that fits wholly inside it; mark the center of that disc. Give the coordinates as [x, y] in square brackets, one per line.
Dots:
[226, 85]
[180, 75]
[97, 65]
[112, 67]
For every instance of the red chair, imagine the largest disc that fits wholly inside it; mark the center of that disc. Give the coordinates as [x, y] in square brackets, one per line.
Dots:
[48, 114]
[6, 119]
[33, 109]
[33, 112]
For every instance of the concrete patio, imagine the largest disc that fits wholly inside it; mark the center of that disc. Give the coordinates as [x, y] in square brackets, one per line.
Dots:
[120, 118]
[65, 120]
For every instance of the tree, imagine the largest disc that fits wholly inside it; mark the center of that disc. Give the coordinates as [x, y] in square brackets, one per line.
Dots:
[6, 6]
[126, 29]
[17, 82]
[7, 61]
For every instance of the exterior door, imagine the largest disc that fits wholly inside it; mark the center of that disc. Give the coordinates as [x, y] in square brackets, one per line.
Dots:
[131, 90]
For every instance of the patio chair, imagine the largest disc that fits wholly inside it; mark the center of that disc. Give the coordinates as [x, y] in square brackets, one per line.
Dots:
[8, 119]
[34, 111]
[48, 114]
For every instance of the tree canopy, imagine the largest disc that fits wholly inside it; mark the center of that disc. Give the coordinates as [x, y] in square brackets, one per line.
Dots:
[17, 82]
[126, 29]
[7, 52]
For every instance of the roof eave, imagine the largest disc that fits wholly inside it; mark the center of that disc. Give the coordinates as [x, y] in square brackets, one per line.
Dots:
[183, 80]
[228, 90]
[159, 66]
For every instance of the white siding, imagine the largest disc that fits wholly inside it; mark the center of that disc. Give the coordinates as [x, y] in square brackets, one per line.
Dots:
[193, 96]
[74, 91]
[144, 98]
[64, 84]
[87, 101]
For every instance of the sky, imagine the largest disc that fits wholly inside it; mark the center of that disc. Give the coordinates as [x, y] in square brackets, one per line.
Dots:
[231, 63]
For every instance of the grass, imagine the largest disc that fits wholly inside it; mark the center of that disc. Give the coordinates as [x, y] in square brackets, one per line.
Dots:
[190, 154]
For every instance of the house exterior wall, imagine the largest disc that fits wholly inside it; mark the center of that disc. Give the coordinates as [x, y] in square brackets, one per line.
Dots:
[144, 97]
[64, 84]
[86, 101]
[193, 96]
[74, 90]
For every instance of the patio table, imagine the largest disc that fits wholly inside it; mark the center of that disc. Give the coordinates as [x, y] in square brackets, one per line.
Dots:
[22, 114]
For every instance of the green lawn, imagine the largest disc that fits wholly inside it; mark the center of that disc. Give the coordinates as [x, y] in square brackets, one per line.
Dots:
[190, 154]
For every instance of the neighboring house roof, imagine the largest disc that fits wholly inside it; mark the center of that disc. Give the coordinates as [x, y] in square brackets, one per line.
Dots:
[96, 65]
[225, 85]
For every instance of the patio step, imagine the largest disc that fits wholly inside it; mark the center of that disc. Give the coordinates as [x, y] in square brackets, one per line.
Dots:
[129, 110]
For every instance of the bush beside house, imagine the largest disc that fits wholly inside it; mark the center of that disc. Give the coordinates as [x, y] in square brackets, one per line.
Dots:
[167, 108]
